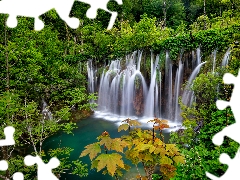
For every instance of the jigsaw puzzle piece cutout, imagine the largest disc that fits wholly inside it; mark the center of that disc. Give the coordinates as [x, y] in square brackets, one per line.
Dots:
[233, 167]
[232, 131]
[101, 4]
[228, 78]
[221, 105]
[44, 170]
[9, 139]
[63, 9]
[18, 176]
[36, 8]
[3, 165]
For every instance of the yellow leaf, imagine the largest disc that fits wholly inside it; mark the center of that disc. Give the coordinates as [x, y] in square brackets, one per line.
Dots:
[152, 148]
[160, 150]
[111, 161]
[92, 150]
[148, 157]
[118, 144]
[179, 159]
[123, 127]
[166, 160]
[106, 141]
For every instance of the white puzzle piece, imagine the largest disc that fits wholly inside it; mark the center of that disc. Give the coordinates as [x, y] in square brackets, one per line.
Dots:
[231, 131]
[44, 170]
[35, 8]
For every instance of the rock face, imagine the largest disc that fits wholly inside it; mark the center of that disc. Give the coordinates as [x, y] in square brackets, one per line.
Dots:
[138, 103]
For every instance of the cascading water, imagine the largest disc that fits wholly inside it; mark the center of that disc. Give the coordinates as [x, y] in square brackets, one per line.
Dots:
[151, 104]
[214, 60]
[198, 56]
[188, 95]
[91, 76]
[45, 111]
[226, 58]
[118, 88]
[177, 86]
[123, 92]
[168, 87]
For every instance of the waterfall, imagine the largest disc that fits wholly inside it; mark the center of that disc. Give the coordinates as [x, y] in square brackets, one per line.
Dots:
[214, 60]
[193, 60]
[188, 95]
[177, 86]
[91, 76]
[160, 94]
[139, 60]
[168, 87]
[45, 111]
[198, 56]
[226, 58]
[118, 87]
[152, 101]
[124, 92]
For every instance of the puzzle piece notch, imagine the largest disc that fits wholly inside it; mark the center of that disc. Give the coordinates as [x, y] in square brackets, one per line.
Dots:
[35, 8]
[3, 165]
[9, 139]
[44, 170]
[101, 4]
[232, 130]
[18, 176]
[233, 167]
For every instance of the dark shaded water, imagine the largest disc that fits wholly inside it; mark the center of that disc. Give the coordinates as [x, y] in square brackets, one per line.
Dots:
[86, 133]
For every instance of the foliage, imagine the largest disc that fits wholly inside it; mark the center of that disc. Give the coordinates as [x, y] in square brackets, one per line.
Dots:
[204, 155]
[140, 146]
[34, 69]
[201, 122]
[31, 133]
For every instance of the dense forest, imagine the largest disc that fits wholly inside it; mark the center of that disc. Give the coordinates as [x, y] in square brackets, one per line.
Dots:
[44, 86]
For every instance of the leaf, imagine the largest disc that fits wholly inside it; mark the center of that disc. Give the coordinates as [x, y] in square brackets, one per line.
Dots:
[106, 141]
[118, 144]
[152, 148]
[166, 160]
[111, 161]
[172, 149]
[132, 122]
[148, 157]
[142, 147]
[179, 159]
[160, 150]
[159, 121]
[92, 150]
[123, 127]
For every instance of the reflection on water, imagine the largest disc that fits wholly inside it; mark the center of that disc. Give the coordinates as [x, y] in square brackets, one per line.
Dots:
[86, 133]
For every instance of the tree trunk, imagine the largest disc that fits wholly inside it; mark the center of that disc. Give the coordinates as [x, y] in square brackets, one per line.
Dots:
[149, 171]
[164, 14]
[204, 10]
[6, 55]
[5, 157]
